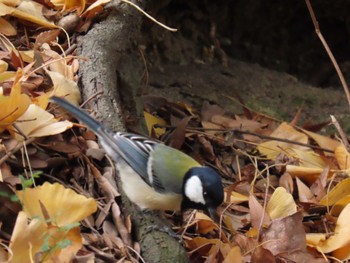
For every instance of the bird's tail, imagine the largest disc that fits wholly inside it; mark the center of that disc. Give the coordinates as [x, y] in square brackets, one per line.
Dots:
[79, 114]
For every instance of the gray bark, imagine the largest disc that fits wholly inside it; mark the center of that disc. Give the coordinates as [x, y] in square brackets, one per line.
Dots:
[114, 70]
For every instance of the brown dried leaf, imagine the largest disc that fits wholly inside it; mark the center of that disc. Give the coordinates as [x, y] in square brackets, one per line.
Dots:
[318, 188]
[119, 223]
[208, 148]
[177, 137]
[258, 215]
[286, 181]
[46, 37]
[285, 235]
[262, 255]
[7, 28]
[305, 194]
[209, 110]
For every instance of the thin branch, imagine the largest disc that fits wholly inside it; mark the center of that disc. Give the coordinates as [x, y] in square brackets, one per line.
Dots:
[329, 52]
[341, 132]
[149, 16]
[14, 150]
[264, 137]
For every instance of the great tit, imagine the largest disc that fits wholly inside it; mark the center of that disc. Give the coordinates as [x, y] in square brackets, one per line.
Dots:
[155, 176]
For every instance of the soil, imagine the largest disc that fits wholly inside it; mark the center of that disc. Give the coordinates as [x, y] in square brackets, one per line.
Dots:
[200, 61]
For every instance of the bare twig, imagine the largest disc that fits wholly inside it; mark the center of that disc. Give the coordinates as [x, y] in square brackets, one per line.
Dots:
[329, 52]
[265, 137]
[14, 150]
[149, 16]
[91, 98]
[341, 132]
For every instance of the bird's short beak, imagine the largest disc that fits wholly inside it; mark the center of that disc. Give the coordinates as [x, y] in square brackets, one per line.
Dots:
[212, 212]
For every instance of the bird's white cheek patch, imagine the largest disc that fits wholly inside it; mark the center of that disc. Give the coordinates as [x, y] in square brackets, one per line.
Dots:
[194, 190]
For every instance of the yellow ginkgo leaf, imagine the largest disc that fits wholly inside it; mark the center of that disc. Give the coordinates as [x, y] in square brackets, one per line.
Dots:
[34, 236]
[234, 255]
[237, 198]
[96, 4]
[152, 120]
[339, 205]
[63, 205]
[323, 141]
[341, 190]
[27, 10]
[3, 64]
[308, 158]
[36, 122]
[27, 238]
[66, 88]
[342, 156]
[59, 64]
[313, 239]
[70, 4]
[42, 101]
[281, 204]
[339, 240]
[12, 106]
[27, 55]
[271, 149]
[7, 75]
[12, 3]
[306, 174]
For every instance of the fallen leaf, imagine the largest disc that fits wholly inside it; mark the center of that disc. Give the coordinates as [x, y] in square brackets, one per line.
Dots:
[33, 237]
[339, 242]
[3, 64]
[285, 235]
[64, 206]
[304, 193]
[63, 87]
[262, 255]
[94, 5]
[339, 191]
[12, 106]
[281, 204]
[339, 206]
[27, 238]
[342, 156]
[306, 174]
[27, 10]
[258, 215]
[236, 198]
[286, 181]
[36, 122]
[152, 120]
[177, 137]
[234, 255]
[323, 141]
[271, 149]
[79, 5]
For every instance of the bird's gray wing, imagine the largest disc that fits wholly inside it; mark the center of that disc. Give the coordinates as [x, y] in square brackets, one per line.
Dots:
[137, 151]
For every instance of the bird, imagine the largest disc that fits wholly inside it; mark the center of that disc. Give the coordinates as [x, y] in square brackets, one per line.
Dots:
[155, 176]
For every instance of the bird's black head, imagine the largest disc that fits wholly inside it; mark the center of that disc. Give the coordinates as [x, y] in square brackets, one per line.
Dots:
[202, 189]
